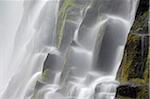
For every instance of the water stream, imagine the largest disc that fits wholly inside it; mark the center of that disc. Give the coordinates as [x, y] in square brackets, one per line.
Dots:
[65, 49]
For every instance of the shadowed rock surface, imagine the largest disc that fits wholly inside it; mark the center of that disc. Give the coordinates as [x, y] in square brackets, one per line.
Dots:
[133, 73]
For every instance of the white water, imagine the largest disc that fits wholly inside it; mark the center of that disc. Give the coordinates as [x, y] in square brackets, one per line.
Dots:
[85, 64]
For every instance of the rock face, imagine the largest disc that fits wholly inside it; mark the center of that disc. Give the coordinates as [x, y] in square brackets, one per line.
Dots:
[133, 73]
[86, 45]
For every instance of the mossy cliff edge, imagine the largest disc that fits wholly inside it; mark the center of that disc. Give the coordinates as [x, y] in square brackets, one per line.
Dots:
[133, 73]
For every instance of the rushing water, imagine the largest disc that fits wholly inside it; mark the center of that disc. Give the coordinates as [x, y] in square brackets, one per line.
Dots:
[63, 49]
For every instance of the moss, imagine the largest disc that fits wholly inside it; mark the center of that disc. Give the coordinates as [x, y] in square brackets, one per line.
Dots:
[124, 73]
[137, 81]
[146, 74]
[66, 67]
[62, 18]
[131, 58]
[140, 23]
[144, 93]
[128, 57]
[33, 97]
[134, 69]
[45, 75]
[147, 69]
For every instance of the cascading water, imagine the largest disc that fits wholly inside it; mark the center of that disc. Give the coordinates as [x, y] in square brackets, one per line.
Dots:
[67, 49]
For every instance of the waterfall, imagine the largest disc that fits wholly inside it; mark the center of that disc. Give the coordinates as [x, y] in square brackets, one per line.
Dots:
[64, 49]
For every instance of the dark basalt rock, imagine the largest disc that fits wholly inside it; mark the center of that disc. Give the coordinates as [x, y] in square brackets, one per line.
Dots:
[131, 91]
[133, 73]
[143, 7]
[128, 90]
[141, 20]
[140, 54]
[135, 63]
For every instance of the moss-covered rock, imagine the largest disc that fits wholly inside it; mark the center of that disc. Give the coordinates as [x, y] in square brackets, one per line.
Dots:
[62, 16]
[141, 23]
[133, 73]
[134, 65]
[134, 69]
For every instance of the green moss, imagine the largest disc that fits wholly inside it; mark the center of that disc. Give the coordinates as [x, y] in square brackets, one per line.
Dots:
[147, 68]
[33, 97]
[134, 69]
[146, 74]
[128, 57]
[140, 23]
[62, 18]
[66, 67]
[144, 93]
[124, 73]
[137, 81]
[131, 59]
[45, 75]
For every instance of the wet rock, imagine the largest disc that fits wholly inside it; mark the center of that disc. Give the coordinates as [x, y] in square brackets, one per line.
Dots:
[133, 73]
[128, 90]
[135, 61]
[141, 21]
[143, 7]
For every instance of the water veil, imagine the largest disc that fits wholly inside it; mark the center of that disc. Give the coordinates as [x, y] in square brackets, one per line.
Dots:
[68, 49]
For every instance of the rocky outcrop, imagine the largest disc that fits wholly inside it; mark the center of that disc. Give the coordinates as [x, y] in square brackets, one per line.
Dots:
[133, 73]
